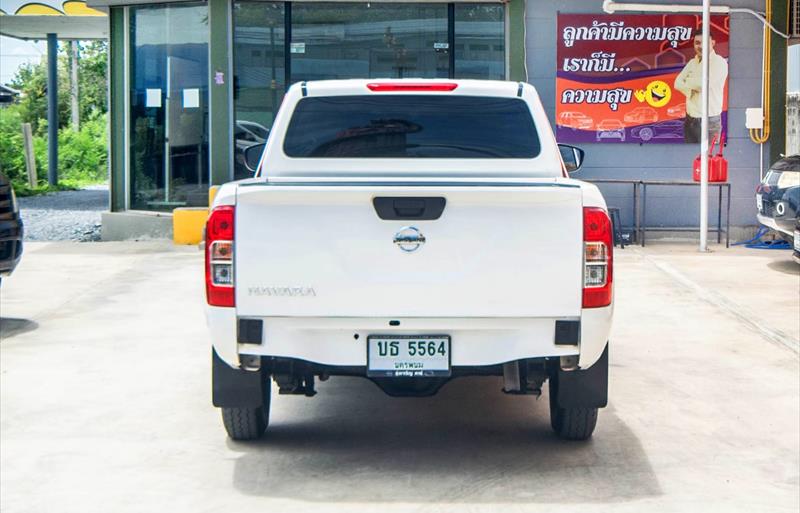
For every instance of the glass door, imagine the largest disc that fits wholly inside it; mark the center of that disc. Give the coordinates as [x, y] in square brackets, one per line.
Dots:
[259, 66]
[168, 106]
[363, 40]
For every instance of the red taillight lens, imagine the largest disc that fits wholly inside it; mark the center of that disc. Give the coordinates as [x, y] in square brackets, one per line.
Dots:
[598, 257]
[383, 87]
[220, 223]
[219, 257]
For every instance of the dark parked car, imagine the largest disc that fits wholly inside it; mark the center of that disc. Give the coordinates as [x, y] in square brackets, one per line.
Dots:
[245, 135]
[778, 197]
[10, 228]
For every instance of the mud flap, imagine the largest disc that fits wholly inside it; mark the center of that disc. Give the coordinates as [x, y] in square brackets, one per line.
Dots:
[236, 388]
[586, 388]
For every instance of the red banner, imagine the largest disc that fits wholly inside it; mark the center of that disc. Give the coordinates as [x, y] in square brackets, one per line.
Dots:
[637, 78]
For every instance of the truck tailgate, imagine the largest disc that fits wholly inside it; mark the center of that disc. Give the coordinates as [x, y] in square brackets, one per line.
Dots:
[322, 250]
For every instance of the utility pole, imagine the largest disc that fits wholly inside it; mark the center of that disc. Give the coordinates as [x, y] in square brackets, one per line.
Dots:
[74, 104]
[52, 109]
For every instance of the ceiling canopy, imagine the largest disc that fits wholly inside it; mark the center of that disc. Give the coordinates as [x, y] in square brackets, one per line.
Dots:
[68, 19]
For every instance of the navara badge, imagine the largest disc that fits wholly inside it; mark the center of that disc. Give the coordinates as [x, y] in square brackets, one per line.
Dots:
[409, 239]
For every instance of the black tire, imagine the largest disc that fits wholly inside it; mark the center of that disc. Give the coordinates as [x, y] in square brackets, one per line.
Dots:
[247, 423]
[570, 423]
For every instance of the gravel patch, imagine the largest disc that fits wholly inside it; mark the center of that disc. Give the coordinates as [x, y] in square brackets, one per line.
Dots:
[67, 215]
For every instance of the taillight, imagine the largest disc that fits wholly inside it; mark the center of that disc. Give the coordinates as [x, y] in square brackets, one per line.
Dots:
[382, 87]
[598, 258]
[219, 257]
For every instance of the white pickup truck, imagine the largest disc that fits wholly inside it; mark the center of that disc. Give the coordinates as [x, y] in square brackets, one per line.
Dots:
[410, 232]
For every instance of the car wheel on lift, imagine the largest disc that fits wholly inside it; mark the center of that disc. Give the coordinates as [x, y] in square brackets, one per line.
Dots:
[570, 423]
[247, 423]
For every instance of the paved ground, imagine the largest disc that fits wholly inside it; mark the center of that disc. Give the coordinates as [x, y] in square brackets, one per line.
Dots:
[104, 403]
[66, 215]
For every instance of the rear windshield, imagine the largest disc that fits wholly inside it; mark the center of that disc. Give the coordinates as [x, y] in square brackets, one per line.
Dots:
[412, 126]
[782, 180]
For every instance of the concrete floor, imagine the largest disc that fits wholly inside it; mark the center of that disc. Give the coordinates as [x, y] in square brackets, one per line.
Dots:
[105, 402]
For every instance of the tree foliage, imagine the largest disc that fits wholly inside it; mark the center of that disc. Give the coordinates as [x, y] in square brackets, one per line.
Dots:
[83, 154]
[31, 81]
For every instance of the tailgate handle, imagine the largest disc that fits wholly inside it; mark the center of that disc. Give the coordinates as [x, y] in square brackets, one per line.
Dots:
[408, 208]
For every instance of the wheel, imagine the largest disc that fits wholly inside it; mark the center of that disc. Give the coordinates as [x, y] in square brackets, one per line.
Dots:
[247, 423]
[570, 423]
[646, 134]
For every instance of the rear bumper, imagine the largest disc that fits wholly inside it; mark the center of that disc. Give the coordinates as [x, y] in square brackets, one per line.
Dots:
[11, 232]
[475, 341]
[785, 226]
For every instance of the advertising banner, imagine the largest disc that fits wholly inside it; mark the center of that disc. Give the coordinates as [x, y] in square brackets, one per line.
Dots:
[637, 78]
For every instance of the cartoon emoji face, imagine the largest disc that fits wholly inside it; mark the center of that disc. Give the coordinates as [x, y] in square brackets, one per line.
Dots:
[657, 93]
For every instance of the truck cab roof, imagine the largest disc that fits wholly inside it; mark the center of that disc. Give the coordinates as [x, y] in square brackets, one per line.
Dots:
[456, 130]
[350, 87]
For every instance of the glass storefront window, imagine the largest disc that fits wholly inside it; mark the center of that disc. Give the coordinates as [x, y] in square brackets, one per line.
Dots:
[168, 106]
[480, 41]
[368, 40]
[259, 73]
[276, 44]
[340, 40]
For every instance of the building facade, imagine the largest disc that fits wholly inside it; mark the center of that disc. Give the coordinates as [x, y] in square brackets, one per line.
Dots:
[192, 84]
[792, 123]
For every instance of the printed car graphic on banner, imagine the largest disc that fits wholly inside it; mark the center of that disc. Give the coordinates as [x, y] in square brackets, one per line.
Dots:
[636, 78]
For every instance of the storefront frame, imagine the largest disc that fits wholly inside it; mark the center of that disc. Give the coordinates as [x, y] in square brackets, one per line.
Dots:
[221, 95]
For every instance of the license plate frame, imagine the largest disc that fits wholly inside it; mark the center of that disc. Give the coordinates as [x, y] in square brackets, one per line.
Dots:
[759, 203]
[409, 371]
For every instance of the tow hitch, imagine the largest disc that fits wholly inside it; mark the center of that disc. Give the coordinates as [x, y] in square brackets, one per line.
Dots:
[296, 385]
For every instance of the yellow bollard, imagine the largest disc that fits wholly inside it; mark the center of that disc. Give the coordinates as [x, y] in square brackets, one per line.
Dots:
[212, 193]
[188, 224]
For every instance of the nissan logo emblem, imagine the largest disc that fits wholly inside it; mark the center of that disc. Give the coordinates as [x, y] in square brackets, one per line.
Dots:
[409, 239]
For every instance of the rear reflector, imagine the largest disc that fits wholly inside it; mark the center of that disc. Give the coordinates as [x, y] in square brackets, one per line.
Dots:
[219, 257]
[383, 87]
[598, 259]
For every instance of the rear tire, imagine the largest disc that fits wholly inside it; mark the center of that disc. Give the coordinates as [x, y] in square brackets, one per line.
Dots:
[247, 423]
[244, 423]
[570, 423]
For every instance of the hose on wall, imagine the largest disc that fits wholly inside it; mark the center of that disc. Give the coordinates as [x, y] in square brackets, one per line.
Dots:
[761, 136]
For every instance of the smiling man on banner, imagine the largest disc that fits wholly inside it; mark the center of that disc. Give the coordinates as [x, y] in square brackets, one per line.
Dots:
[690, 82]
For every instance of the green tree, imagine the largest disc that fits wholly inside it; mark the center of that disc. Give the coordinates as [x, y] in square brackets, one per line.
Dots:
[92, 79]
[83, 154]
[31, 81]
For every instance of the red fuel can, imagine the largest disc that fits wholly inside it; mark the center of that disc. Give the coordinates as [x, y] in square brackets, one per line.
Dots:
[717, 165]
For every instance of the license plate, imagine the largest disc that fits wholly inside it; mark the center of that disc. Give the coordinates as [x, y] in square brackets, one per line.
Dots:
[797, 240]
[400, 356]
[759, 203]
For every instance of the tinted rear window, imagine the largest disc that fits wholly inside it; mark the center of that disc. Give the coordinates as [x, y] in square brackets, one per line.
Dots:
[411, 126]
[782, 180]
